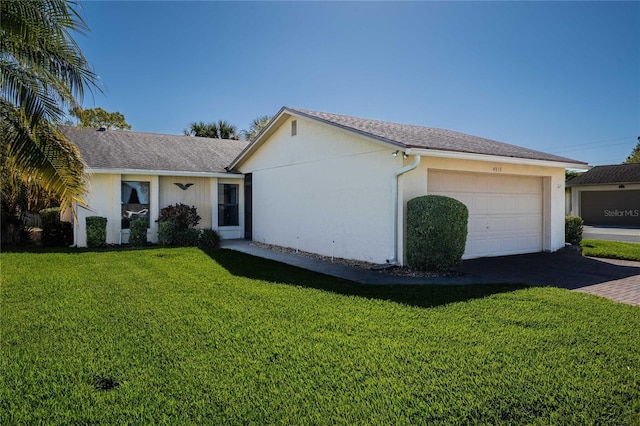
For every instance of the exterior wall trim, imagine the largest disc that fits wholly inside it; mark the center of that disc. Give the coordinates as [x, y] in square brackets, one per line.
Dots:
[165, 173]
[494, 158]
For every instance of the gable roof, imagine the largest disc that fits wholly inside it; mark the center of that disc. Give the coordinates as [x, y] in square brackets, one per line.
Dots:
[409, 136]
[616, 173]
[124, 149]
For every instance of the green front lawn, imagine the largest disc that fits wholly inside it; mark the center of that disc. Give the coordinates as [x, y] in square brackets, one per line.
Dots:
[611, 249]
[179, 336]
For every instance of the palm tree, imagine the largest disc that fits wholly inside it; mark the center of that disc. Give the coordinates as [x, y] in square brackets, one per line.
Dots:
[220, 129]
[42, 73]
[256, 127]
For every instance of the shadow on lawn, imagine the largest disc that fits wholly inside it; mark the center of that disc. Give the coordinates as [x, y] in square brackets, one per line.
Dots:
[244, 265]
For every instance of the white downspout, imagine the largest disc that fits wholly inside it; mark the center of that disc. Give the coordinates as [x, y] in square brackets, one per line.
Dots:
[394, 200]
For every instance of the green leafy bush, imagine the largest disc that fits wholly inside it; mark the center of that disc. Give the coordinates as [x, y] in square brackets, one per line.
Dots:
[187, 237]
[573, 229]
[54, 231]
[436, 232]
[166, 233]
[138, 233]
[183, 216]
[209, 238]
[96, 231]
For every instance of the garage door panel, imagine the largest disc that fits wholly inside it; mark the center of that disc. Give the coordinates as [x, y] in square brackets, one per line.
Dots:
[505, 212]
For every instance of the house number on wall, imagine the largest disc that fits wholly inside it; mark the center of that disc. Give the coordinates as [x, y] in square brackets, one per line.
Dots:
[497, 169]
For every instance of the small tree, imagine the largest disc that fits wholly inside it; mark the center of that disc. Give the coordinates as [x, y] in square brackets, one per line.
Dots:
[634, 157]
[181, 231]
[436, 232]
[97, 117]
[182, 216]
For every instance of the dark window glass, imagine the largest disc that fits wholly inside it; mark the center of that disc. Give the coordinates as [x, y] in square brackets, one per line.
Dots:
[228, 204]
[135, 202]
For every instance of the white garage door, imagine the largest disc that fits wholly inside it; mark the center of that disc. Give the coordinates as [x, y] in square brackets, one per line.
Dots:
[505, 211]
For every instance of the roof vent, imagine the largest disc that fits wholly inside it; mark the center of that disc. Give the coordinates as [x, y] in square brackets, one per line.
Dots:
[102, 129]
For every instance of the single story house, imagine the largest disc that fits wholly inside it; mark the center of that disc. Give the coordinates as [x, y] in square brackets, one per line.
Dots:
[338, 185]
[607, 195]
[134, 175]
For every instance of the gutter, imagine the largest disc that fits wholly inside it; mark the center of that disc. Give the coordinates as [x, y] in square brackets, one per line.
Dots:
[394, 197]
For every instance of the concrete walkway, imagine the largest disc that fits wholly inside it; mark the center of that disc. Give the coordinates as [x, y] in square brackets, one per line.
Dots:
[618, 280]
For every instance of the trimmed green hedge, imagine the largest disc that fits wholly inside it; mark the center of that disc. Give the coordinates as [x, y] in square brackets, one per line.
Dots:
[436, 232]
[573, 229]
[209, 238]
[96, 231]
[138, 233]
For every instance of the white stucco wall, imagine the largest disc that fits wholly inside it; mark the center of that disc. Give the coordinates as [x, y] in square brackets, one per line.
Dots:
[325, 191]
[328, 191]
[103, 200]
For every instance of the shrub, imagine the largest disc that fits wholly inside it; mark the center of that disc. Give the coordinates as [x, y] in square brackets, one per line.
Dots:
[54, 231]
[573, 229]
[436, 232]
[96, 231]
[209, 238]
[187, 237]
[183, 216]
[166, 233]
[138, 233]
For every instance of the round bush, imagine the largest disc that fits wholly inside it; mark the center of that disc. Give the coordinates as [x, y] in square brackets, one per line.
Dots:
[573, 226]
[436, 232]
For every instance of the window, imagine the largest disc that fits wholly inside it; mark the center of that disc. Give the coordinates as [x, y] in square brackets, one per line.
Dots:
[294, 128]
[227, 204]
[135, 202]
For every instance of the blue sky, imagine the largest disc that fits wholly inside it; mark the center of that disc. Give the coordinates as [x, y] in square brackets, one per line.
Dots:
[560, 77]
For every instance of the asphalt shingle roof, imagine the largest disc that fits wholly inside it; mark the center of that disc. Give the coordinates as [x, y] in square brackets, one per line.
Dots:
[617, 173]
[410, 136]
[124, 149]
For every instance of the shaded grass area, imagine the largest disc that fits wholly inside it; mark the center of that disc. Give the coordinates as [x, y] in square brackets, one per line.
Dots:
[180, 336]
[611, 249]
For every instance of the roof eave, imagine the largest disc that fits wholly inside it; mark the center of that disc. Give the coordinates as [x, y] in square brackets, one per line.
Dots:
[497, 158]
[569, 184]
[119, 171]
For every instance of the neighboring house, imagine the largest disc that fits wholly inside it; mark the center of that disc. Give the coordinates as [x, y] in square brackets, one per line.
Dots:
[134, 175]
[338, 186]
[607, 195]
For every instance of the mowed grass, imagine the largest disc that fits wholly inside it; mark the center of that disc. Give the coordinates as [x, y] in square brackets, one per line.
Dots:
[188, 337]
[611, 249]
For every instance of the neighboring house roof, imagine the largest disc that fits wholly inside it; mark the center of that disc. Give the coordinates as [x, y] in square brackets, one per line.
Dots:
[410, 136]
[127, 150]
[616, 173]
